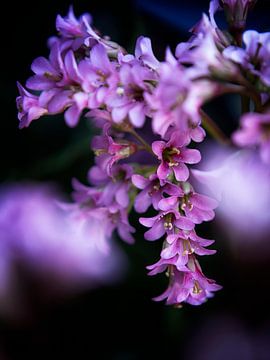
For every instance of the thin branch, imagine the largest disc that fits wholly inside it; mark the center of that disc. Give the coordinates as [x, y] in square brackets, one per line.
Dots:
[146, 146]
[212, 128]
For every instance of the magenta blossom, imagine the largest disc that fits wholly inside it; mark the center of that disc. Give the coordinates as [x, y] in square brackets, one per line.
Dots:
[255, 131]
[190, 286]
[255, 57]
[173, 103]
[29, 107]
[114, 189]
[112, 151]
[185, 243]
[197, 207]
[108, 199]
[98, 74]
[174, 156]
[177, 250]
[152, 191]
[164, 222]
[73, 31]
[52, 241]
[236, 179]
[144, 52]
[127, 99]
[235, 10]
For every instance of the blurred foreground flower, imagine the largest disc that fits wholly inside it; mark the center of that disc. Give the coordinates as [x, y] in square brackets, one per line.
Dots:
[241, 184]
[54, 243]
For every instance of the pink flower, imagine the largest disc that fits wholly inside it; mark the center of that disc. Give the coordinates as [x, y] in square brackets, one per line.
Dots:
[152, 191]
[175, 104]
[144, 52]
[127, 98]
[29, 107]
[197, 207]
[71, 249]
[255, 57]
[236, 179]
[255, 131]
[112, 150]
[173, 156]
[236, 12]
[164, 222]
[189, 286]
[98, 74]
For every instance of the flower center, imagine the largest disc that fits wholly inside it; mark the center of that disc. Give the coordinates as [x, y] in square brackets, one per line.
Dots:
[169, 154]
[196, 288]
[168, 225]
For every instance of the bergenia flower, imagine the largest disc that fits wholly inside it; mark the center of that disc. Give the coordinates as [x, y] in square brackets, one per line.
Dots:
[255, 58]
[168, 101]
[255, 131]
[164, 222]
[190, 286]
[144, 52]
[97, 72]
[119, 92]
[236, 12]
[196, 207]
[127, 98]
[112, 151]
[152, 190]
[173, 156]
[29, 107]
[34, 228]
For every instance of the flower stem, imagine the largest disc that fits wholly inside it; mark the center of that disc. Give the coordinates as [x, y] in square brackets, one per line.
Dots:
[244, 104]
[146, 146]
[212, 128]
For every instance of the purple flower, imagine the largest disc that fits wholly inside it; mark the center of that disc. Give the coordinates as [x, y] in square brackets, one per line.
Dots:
[235, 10]
[112, 150]
[29, 107]
[74, 33]
[164, 222]
[127, 98]
[70, 26]
[48, 72]
[59, 80]
[173, 156]
[255, 131]
[71, 249]
[255, 57]
[191, 286]
[119, 220]
[98, 75]
[144, 52]
[152, 191]
[185, 243]
[109, 200]
[177, 250]
[175, 104]
[197, 207]
[236, 179]
[115, 190]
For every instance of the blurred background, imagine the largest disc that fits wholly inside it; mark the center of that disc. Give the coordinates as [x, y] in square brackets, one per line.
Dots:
[120, 321]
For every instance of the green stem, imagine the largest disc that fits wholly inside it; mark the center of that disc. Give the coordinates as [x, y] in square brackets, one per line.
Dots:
[212, 128]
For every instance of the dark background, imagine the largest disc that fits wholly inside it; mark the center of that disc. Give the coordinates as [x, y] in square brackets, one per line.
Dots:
[119, 322]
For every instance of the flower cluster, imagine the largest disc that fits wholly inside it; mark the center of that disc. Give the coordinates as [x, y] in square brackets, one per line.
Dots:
[150, 116]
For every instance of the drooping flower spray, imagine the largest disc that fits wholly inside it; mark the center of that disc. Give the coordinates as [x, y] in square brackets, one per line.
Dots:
[150, 115]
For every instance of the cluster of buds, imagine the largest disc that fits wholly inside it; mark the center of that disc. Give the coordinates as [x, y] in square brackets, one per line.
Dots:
[150, 117]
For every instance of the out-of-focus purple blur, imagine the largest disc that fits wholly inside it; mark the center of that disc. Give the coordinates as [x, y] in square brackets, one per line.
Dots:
[61, 249]
[240, 181]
